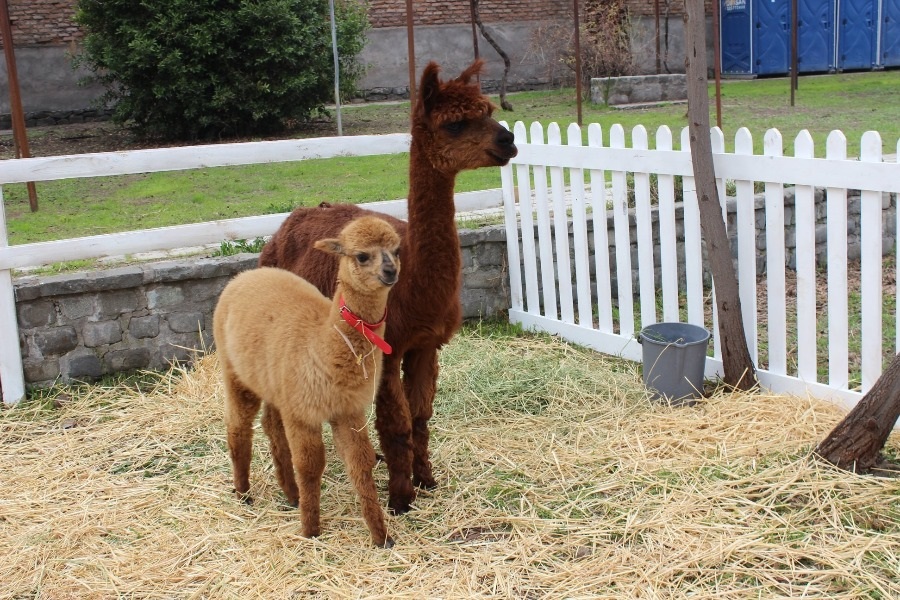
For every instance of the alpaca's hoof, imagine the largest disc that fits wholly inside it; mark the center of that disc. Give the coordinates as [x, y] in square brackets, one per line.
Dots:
[426, 482]
[244, 497]
[400, 508]
[388, 543]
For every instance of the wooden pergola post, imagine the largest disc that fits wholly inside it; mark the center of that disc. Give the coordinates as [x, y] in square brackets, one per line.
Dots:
[411, 57]
[20, 138]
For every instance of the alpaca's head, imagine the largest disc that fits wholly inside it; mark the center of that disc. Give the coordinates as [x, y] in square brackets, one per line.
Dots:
[369, 251]
[453, 126]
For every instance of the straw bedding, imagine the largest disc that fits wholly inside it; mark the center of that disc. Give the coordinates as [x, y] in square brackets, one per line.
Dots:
[558, 478]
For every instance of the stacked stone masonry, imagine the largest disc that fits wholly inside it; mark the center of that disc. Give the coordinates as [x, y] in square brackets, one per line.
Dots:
[85, 325]
[639, 89]
[49, 118]
[82, 326]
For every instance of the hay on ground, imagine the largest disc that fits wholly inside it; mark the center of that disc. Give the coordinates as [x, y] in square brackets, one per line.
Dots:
[558, 477]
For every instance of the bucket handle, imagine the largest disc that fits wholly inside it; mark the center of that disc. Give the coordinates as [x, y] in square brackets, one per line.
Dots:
[679, 342]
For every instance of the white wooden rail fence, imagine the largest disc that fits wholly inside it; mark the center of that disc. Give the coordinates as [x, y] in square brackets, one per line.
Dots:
[535, 188]
[164, 238]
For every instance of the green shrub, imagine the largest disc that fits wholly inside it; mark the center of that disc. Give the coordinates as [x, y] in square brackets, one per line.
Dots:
[199, 69]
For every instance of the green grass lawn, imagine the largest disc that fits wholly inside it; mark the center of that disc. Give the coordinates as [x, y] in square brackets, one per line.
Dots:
[853, 103]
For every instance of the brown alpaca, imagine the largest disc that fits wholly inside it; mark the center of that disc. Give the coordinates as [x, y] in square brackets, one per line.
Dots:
[307, 359]
[452, 130]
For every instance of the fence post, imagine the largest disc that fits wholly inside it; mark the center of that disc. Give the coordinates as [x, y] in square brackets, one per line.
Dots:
[12, 378]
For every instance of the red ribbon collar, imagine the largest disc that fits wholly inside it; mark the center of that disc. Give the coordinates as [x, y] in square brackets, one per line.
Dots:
[367, 329]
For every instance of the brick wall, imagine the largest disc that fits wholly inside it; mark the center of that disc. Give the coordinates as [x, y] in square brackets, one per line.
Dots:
[43, 22]
[392, 13]
[50, 22]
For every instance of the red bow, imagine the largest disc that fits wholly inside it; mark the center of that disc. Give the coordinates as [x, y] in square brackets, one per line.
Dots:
[367, 329]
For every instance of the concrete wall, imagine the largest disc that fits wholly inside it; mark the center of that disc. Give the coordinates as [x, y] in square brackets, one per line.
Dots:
[642, 41]
[51, 91]
[49, 86]
[451, 47]
[47, 37]
[643, 44]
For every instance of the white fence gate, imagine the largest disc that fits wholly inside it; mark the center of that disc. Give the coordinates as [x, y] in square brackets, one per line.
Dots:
[571, 291]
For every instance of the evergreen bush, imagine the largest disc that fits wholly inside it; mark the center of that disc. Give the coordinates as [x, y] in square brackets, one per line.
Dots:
[201, 69]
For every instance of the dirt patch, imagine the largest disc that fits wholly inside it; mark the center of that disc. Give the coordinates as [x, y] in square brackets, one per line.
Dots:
[106, 136]
[75, 138]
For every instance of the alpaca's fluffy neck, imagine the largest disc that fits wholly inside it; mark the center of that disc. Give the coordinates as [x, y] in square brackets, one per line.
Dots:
[432, 253]
[351, 357]
[367, 306]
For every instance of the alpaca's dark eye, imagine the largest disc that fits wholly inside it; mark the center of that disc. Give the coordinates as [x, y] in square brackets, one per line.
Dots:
[455, 128]
[362, 258]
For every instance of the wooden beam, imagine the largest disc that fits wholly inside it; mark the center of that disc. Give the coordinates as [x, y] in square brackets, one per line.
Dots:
[20, 137]
[411, 57]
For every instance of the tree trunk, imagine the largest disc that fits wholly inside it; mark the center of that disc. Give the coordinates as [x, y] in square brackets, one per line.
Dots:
[504, 103]
[738, 366]
[856, 443]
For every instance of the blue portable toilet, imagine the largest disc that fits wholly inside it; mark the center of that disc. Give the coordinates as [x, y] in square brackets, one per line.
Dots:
[815, 36]
[857, 25]
[771, 37]
[734, 32]
[755, 35]
[890, 34]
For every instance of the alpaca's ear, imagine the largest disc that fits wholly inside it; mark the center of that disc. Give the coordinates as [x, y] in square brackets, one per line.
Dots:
[474, 69]
[429, 87]
[331, 246]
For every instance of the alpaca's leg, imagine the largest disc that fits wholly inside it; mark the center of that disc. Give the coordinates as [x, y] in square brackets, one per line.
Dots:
[351, 439]
[281, 453]
[395, 435]
[420, 373]
[241, 406]
[308, 454]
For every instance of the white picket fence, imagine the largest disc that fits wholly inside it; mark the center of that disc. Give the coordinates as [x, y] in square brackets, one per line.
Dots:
[550, 178]
[166, 238]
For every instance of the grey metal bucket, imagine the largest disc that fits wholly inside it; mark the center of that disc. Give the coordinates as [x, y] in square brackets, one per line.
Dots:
[674, 359]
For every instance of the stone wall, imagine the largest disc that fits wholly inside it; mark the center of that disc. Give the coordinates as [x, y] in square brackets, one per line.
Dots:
[639, 89]
[81, 326]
